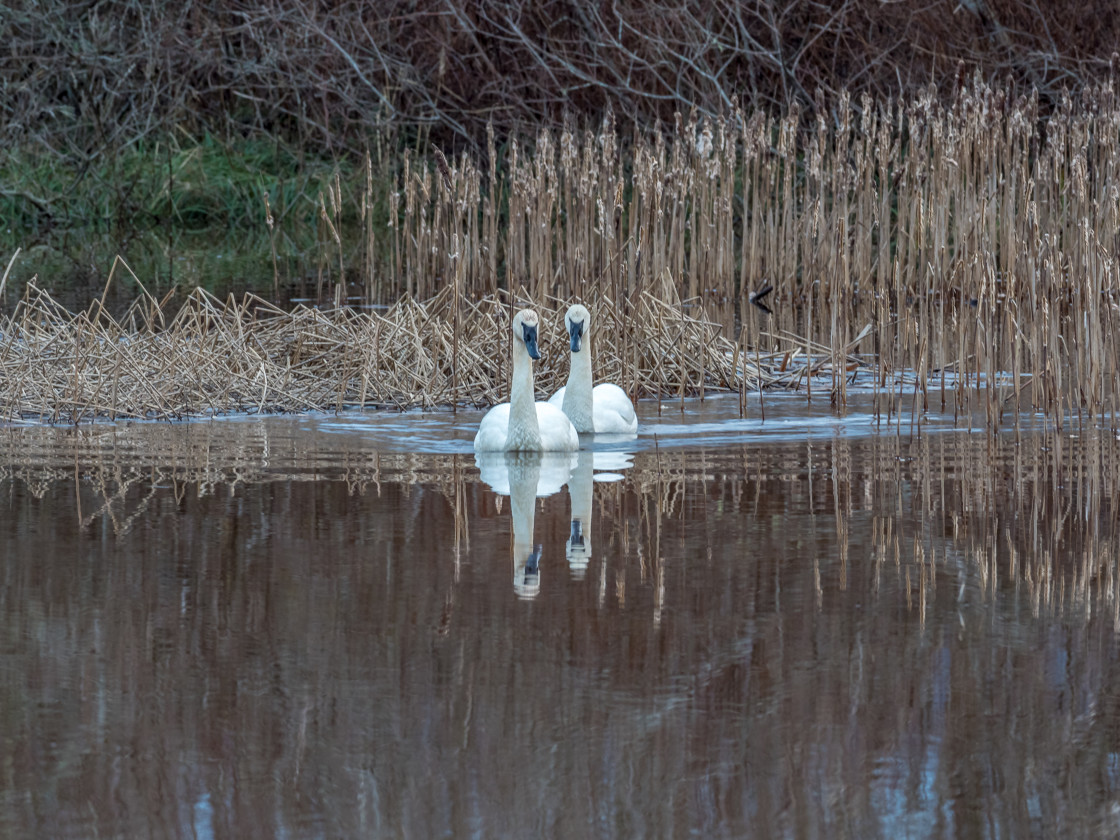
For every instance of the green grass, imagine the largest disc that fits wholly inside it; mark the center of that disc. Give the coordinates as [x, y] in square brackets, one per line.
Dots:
[182, 183]
[182, 213]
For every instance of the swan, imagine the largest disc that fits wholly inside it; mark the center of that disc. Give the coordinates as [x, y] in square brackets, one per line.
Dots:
[522, 424]
[604, 409]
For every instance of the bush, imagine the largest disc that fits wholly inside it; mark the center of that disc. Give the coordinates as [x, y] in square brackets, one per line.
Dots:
[87, 77]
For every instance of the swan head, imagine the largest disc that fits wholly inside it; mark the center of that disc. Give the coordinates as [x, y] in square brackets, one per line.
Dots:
[576, 319]
[527, 578]
[576, 539]
[578, 550]
[525, 325]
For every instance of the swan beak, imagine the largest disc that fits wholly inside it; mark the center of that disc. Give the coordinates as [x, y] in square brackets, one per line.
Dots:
[530, 336]
[576, 539]
[533, 563]
[575, 330]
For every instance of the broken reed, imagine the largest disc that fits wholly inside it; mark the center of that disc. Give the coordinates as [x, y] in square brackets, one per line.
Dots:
[215, 356]
[965, 249]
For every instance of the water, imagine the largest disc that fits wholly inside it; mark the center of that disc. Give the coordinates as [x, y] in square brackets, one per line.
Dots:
[333, 626]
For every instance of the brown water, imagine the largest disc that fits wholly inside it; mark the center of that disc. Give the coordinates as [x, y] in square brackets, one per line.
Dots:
[331, 627]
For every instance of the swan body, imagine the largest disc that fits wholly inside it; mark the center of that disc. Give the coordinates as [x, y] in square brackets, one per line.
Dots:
[522, 424]
[612, 413]
[604, 409]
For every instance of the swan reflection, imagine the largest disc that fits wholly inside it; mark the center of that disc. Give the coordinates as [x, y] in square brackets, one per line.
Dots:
[524, 477]
[581, 488]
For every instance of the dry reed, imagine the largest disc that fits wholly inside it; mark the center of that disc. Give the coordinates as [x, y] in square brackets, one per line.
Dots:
[968, 250]
[960, 254]
[215, 356]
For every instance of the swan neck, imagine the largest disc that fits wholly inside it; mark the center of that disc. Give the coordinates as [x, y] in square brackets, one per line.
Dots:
[578, 396]
[524, 430]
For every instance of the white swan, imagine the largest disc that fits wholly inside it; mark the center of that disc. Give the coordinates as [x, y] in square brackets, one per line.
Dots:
[604, 409]
[522, 424]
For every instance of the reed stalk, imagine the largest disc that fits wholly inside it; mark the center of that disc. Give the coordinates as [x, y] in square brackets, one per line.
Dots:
[967, 244]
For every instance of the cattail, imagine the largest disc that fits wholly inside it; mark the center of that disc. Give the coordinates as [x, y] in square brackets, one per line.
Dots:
[444, 169]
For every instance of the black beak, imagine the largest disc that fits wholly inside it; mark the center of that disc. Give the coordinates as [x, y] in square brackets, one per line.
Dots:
[533, 563]
[575, 330]
[530, 336]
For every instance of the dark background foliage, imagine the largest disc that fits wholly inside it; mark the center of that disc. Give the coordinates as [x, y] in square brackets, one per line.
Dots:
[79, 78]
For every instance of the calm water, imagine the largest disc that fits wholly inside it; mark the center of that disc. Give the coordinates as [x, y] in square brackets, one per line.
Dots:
[336, 627]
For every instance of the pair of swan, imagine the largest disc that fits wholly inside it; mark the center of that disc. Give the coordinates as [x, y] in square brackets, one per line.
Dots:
[525, 425]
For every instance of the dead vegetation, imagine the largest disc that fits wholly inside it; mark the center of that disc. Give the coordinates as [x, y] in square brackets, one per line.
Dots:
[972, 245]
[964, 254]
[214, 357]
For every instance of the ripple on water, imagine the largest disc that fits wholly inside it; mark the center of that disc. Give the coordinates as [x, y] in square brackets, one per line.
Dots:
[318, 624]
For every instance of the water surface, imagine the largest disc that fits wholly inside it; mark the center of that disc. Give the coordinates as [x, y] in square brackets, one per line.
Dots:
[343, 625]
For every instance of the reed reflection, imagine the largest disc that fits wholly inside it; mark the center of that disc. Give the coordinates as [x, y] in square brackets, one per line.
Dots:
[883, 636]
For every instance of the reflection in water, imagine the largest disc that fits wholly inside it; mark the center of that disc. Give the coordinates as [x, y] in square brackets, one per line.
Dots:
[253, 632]
[523, 476]
[581, 489]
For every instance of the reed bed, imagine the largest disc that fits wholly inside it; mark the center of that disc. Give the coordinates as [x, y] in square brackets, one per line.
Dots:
[966, 247]
[960, 253]
[215, 357]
